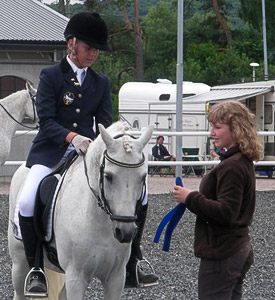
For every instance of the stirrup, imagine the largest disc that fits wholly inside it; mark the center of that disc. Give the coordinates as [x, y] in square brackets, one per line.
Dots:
[144, 285]
[36, 294]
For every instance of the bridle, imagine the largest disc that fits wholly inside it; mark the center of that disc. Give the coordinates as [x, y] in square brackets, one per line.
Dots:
[33, 98]
[102, 201]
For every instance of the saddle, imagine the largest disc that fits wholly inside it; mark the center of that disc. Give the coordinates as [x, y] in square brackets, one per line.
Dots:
[43, 210]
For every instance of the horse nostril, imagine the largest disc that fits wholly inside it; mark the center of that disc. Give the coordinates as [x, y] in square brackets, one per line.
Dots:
[118, 234]
[124, 236]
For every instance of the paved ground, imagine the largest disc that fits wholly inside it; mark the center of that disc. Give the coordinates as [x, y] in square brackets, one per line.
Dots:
[178, 268]
[165, 184]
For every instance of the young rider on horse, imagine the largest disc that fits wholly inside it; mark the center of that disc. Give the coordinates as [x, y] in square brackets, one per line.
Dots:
[70, 96]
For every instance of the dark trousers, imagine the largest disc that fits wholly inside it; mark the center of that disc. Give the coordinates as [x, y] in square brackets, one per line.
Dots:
[223, 279]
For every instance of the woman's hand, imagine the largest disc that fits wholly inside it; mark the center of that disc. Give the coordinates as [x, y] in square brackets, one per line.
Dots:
[81, 143]
[181, 193]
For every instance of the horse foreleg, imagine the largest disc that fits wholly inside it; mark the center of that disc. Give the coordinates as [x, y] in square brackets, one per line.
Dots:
[76, 285]
[113, 287]
[19, 271]
[20, 266]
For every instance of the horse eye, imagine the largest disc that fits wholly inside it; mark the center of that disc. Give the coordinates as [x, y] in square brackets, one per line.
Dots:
[108, 177]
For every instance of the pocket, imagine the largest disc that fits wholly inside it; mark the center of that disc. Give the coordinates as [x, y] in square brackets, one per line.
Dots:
[248, 263]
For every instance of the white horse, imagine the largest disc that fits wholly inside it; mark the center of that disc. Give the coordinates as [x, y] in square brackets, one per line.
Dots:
[13, 109]
[94, 219]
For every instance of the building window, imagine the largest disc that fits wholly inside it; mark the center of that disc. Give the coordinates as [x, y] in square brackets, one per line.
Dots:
[268, 114]
[10, 84]
[136, 124]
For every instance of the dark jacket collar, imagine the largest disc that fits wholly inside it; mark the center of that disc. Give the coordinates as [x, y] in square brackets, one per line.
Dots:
[65, 65]
[230, 152]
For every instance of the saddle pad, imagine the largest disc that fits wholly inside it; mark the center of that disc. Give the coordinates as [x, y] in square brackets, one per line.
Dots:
[15, 221]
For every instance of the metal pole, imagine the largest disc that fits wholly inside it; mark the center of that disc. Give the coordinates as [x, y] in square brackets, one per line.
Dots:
[264, 42]
[179, 87]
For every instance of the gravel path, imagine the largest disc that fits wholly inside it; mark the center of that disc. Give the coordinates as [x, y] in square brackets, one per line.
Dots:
[178, 268]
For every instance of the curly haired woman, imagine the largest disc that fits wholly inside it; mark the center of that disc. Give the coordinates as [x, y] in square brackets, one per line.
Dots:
[225, 205]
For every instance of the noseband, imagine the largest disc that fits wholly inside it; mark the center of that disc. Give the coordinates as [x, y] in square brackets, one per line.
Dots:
[102, 201]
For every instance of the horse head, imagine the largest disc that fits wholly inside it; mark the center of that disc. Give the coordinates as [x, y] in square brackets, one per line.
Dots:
[122, 179]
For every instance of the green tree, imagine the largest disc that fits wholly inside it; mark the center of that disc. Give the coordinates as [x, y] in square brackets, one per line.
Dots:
[208, 63]
[250, 42]
[251, 12]
[131, 25]
[160, 31]
[220, 9]
[201, 29]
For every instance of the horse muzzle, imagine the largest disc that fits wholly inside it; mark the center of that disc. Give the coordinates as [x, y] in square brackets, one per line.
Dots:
[124, 232]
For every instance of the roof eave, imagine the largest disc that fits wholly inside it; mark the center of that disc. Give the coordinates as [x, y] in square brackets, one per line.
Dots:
[32, 45]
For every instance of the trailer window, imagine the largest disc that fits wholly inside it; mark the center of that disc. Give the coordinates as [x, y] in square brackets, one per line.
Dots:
[268, 114]
[187, 95]
[164, 97]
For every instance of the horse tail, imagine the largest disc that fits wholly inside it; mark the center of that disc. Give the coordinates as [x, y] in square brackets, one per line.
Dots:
[56, 283]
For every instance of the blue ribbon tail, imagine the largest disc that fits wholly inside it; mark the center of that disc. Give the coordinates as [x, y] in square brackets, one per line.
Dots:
[180, 209]
[179, 181]
[173, 218]
[162, 224]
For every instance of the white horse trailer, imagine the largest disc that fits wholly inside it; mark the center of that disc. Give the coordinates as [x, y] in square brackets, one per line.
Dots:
[136, 98]
[141, 104]
[144, 103]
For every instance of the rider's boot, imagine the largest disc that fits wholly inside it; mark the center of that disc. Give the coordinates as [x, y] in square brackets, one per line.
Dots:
[135, 277]
[36, 284]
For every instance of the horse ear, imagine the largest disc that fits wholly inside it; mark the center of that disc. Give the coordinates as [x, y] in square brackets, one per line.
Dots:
[30, 88]
[146, 135]
[107, 138]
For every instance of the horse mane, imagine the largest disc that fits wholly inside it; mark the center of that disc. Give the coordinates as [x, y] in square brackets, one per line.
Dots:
[127, 143]
[13, 95]
[97, 147]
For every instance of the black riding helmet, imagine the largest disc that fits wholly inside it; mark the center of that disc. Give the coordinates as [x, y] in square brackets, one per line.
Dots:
[89, 28]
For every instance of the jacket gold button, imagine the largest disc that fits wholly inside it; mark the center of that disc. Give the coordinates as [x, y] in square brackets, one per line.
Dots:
[79, 95]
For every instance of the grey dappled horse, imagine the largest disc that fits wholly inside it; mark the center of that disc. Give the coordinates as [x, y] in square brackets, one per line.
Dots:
[91, 241]
[13, 109]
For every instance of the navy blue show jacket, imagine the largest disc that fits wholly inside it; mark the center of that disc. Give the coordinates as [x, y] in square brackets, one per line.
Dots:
[64, 106]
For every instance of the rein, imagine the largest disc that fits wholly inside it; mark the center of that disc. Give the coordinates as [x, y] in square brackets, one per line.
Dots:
[102, 201]
[33, 97]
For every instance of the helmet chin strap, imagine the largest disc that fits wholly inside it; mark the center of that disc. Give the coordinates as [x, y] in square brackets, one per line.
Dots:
[74, 54]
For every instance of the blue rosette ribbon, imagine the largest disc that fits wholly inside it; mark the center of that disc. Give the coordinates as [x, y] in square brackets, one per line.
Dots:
[172, 219]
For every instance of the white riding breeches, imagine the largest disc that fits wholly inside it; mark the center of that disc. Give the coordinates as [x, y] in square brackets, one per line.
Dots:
[145, 199]
[28, 193]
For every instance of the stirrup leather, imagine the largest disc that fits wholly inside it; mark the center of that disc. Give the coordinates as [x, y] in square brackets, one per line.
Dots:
[140, 263]
[36, 294]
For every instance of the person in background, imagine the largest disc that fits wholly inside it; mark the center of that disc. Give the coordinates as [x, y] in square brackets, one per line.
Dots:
[72, 99]
[225, 205]
[160, 152]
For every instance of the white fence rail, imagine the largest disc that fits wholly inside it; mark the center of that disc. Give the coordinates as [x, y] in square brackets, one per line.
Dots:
[202, 162]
